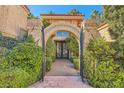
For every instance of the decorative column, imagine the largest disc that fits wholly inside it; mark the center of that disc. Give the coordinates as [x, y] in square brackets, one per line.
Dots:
[43, 51]
[81, 51]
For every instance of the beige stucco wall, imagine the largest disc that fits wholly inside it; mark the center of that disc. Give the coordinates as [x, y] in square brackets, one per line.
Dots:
[3, 17]
[34, 29]
[104, 33]
[73, 19]
[14, 20]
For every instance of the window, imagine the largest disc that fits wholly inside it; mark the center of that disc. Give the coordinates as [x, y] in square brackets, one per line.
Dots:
[62, 34]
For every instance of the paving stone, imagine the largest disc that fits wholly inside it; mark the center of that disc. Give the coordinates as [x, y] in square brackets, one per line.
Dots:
[63, 67]
[62, 75]
[61, 82]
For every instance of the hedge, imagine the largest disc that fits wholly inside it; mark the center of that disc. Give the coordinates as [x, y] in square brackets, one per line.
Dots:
[76, 63]
[49, 62]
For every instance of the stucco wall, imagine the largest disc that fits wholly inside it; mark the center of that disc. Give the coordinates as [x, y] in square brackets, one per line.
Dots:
[104, 33]
[14, 20]
[34, 28]
[73, 19]
[3, 17]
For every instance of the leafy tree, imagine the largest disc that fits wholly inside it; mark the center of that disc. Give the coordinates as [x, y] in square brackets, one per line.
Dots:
[31, 16]
[96, 17]
[100, 49]
[74, 11]
[45, 23]
[119, 47]
[51, 12]
[114, 15]
[72, 45]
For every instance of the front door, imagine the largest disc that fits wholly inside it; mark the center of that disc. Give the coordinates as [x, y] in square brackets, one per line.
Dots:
[61, 51]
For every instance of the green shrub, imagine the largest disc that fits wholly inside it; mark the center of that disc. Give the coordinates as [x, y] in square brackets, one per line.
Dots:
[20, 66]
[71, 59]
[100, 49]
[118, 46]
[29, 39]
[76, 63]
[106, 75]
[10, 43]
[49, 62]
[51, 49]
[7, 42]
[73, 45]
[14, 78]
[1, 39]
[3, 51]
[28, 57]
[3, 61]
[99, 67]
[89, 62]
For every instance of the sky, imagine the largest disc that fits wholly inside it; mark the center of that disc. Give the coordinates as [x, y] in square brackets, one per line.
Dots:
[36, 10]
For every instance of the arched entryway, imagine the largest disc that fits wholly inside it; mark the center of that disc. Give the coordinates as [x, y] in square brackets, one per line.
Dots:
[61, 26]
[67, 27]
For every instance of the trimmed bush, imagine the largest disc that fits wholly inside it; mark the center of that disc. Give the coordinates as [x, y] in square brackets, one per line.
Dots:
[14, 78]
[76, 64]
[49, 62]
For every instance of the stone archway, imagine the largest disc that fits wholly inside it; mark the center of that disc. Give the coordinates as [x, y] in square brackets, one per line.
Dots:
[58, 26]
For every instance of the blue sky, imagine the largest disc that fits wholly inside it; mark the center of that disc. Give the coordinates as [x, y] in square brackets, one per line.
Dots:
[62, 9]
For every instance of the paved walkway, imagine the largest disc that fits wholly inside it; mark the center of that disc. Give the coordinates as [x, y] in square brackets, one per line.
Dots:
[62, 67]
[62, 75]
[61, 82]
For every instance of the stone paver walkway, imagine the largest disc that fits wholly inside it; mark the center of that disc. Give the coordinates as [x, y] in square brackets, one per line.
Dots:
[61, 82]
[62, 75]
[62, 67]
